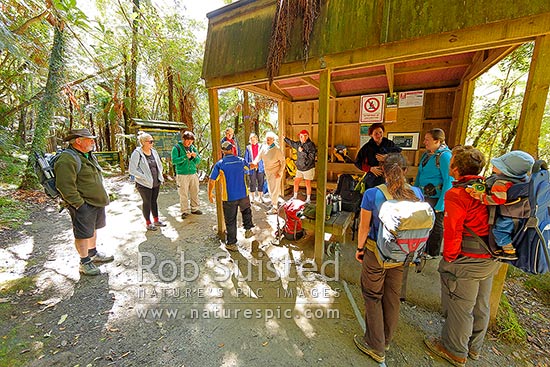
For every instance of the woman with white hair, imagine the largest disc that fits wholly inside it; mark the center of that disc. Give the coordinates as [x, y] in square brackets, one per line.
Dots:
[274, 166]
[146, 167]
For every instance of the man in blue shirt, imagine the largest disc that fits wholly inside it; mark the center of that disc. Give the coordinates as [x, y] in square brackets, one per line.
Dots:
[230, 172]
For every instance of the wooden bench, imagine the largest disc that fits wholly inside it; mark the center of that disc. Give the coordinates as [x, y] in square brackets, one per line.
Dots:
[337, 225]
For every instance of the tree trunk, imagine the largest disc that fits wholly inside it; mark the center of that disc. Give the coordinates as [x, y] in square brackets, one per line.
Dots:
[47, 104]
[170, 79]
[20, 139]
[134, 60]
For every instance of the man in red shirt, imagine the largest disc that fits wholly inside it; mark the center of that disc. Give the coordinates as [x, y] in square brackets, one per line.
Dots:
[467, 267]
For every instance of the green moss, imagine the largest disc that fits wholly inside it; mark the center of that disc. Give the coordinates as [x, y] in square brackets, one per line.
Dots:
[13, 286]
[12, 213]
[507, 324]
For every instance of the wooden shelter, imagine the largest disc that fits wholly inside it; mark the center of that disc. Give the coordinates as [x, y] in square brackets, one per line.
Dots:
[361, 47]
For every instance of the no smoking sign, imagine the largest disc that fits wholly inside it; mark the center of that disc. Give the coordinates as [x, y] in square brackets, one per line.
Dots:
[372, 108]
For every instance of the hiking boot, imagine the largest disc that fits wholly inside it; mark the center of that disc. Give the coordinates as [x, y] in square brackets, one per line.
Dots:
[184, 215]
[101, 258]
[248, 233]
[151, 227]
[232, 247]
[435, 346]
[271, 211]
[196, 212]
[89, 268]
[506, 254]
[474, 356]
[159, 224]
[365, 348]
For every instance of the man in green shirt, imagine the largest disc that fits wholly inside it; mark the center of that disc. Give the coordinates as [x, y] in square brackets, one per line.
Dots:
[186, 159]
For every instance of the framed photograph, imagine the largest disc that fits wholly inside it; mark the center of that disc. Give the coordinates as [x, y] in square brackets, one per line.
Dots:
[406, 141]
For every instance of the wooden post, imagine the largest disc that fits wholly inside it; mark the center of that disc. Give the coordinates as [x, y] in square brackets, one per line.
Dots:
[246, 118]
[216, 148]
[496, 292]
[534, 100]
[322, 155]
[461, 113]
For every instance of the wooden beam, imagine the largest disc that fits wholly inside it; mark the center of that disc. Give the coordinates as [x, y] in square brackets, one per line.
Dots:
[492, 35]
[487, 59]
[461, 112]
[315, 84]
[263, 92]
[322, 154]
[216, 149]
[534, 100]
[275, 88]
[389, 76]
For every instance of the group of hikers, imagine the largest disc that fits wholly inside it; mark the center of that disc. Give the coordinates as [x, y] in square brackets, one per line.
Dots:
[446, 179]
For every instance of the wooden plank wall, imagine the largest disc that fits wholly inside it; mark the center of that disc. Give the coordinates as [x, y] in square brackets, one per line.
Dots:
[345, 129]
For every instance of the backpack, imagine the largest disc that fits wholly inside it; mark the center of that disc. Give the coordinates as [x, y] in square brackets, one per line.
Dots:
[44, 169]
[528, 203]
[293, 224]
[341, 154]
[404, 229]
[345, 188]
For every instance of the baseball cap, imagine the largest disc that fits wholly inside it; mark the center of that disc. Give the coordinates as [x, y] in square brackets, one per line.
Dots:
[303, 132]
[227, 145]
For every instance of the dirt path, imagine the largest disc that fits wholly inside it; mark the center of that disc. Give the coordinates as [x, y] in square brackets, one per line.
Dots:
[175, 297]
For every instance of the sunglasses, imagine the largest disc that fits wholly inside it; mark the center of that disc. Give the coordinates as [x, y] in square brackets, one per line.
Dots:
[150, 141]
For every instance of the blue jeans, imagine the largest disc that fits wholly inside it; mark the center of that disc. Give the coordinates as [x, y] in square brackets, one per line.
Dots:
[502, 230]
[230, 217]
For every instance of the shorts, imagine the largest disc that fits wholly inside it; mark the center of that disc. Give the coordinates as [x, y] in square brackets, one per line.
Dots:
[86, 220]
[306, 175]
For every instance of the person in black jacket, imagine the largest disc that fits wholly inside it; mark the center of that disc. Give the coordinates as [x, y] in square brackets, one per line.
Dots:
[373, 153]
[305, 163]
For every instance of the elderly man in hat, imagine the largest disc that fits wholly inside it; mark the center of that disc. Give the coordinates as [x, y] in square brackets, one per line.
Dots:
[305, 163]
[230, 170]
[81, 186]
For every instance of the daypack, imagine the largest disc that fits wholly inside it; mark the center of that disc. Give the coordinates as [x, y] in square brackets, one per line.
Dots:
[44, 169]
[404, 228]
[341, 154]
[293, 224]
[345, 188]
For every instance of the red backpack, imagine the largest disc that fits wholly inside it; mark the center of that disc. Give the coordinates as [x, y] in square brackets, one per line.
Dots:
[293, 224]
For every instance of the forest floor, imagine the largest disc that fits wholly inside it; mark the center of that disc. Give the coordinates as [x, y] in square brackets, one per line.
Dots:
[176, 297]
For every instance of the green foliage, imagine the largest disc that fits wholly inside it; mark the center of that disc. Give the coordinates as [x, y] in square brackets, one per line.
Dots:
[507, 324]
[497, 105]
[11, 168]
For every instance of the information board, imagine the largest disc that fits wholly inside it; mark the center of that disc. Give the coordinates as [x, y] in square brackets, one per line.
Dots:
[165, 140]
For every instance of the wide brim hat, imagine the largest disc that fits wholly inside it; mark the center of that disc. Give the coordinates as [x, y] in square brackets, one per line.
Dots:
[79, 133]
[516, 164]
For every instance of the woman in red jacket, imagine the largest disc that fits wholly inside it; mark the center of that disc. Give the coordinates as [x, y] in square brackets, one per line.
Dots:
[467, 268]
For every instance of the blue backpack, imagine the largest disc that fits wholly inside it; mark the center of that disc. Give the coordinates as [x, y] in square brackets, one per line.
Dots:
[531, 237]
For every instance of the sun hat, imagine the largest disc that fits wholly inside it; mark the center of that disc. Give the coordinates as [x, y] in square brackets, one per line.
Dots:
[515, 164]
[79, 133]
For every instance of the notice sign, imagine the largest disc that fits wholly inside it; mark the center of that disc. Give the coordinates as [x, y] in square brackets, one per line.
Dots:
[372, 108]
[411, 99]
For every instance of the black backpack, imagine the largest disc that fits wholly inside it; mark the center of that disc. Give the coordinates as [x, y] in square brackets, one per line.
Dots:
[351, 199]
[44, 169]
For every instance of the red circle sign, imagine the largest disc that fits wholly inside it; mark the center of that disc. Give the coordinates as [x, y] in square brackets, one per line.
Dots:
[371, 105]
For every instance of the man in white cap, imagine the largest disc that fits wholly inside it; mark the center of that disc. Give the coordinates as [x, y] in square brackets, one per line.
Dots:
[230, 170]
[81, 186]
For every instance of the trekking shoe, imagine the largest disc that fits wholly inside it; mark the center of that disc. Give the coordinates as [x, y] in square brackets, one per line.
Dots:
[271, 211]
[184, 215]
[101, 258]
[159, 224]
[474, 356]
[435, 346]
[248, 233]
[506, 254]
[89, 269]
[196, 212]
[151, 227]
[365, 348]
[232, 247]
